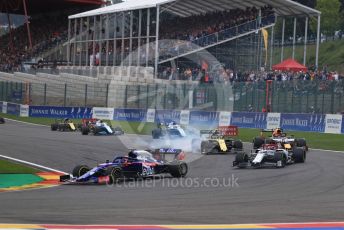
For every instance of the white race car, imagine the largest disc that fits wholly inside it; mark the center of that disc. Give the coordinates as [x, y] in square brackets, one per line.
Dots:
[270, 155]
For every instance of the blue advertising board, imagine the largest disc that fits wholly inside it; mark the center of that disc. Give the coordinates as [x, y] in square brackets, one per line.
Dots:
[13, 109]
[303, 122]
[60, 112]
[249, 120]
[167, 116]
[204, 118]
[130, 114]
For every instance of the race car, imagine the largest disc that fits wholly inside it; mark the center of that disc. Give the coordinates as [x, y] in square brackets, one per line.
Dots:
[63, 125]
[2, 120]
[278, 136]
[221, 140]
[270, 155]
[99, 127]
[170, 130]
[137, 164]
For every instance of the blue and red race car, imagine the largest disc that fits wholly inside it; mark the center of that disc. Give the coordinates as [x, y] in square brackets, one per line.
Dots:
[137, 164]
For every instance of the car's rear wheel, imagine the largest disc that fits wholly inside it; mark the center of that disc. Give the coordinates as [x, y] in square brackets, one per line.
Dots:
[80, 170]
[2, 120]
[258, 142]
[237, 145]
[178, 170]
[85, 130]
[299, 155]
[53, 127]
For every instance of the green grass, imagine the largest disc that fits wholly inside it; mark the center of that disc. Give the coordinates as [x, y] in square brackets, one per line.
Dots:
[314, 140]
[8, 167]
[331, 53]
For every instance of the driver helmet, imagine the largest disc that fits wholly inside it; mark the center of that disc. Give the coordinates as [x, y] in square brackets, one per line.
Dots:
[132, 154]
[277, 132]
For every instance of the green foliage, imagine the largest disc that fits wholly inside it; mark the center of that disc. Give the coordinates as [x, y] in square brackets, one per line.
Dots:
[331, 16]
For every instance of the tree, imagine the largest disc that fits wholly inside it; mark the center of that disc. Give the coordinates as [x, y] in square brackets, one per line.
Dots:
[330, 16]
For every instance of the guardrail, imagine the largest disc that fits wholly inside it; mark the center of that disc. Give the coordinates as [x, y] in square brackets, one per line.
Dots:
[322, 123]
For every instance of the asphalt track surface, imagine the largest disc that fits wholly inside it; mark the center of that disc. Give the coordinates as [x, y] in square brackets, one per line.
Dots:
[312, 191]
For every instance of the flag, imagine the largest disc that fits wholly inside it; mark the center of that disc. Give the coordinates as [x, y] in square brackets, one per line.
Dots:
[266, 37]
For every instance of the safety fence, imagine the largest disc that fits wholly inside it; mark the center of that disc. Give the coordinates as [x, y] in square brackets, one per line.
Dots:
[322, 123]
[296, 96]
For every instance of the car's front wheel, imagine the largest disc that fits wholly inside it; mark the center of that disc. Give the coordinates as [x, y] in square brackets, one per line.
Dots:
[80, 170]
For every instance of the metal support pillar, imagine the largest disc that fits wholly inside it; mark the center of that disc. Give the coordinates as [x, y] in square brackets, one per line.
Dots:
[94, 41]
[139, 39]
[100, 39]
[306, 39]
[156, 56]
[74, 46]
[115, 41]
[318, 43]
[27, 24]
[294, 38]
[68, 44]
[107, 28]
[80, 40]
[272, 45]
[87, 43]
[130, 56]
[122, 50]
[282, 47]
[147, 41]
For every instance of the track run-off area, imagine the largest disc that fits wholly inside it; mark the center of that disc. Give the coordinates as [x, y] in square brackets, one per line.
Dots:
[213, 192]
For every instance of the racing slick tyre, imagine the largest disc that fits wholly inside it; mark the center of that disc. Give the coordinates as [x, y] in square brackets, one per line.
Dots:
[178, 170]
[237, 144]
[2, 120]
[280, 157]
[156, 133]
[301, 143]
[115, 175]
[241, 157]
[299, 155]
[54, 127]
[80, 170]
[258, 142]
[85, 130]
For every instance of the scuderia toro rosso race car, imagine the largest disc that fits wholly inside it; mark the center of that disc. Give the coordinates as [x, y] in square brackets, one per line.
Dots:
[137, 164]
[98, 127]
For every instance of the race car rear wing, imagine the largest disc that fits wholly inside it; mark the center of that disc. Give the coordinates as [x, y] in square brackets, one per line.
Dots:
[230, 130]
[168, 154]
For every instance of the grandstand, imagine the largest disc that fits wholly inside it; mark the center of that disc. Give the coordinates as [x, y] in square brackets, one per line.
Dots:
[140, 43]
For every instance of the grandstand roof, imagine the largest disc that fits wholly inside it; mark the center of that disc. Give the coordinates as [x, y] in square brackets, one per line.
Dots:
[185, 8]
[39, 6]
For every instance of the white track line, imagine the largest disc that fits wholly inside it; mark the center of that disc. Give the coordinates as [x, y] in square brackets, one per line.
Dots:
[32, 164]
[28, 123]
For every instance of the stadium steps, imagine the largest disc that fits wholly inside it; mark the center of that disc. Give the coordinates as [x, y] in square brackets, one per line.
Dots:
[203, 43]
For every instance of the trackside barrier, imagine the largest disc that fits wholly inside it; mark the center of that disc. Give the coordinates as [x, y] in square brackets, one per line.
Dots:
[322, 123]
